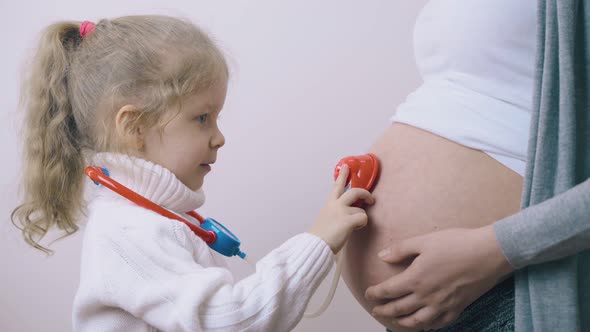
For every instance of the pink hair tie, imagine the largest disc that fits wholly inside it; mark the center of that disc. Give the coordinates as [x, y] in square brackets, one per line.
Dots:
[86, 28]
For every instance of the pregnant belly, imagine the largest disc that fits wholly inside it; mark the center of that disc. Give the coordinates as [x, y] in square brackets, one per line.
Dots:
[427, 183]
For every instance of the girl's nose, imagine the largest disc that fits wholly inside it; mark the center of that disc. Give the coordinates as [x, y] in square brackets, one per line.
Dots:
[218, 140]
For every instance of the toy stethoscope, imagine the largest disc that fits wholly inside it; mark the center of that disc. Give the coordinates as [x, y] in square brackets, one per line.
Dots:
[212, 232]
[364, 170]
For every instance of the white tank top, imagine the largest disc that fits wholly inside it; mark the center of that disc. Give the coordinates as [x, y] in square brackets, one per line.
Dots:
[476, 58]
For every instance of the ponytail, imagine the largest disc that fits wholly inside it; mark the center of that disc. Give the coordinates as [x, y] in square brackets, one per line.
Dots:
[53, 158]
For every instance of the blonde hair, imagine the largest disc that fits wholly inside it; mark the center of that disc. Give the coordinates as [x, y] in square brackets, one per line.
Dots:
[75, 88]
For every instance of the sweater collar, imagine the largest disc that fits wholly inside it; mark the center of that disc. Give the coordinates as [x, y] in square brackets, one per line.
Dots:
[151, 181]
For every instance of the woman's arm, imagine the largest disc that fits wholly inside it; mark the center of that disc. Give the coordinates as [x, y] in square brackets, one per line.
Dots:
[553, 229]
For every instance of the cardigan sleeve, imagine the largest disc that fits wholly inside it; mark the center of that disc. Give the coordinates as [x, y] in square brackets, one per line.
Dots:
[553, 229]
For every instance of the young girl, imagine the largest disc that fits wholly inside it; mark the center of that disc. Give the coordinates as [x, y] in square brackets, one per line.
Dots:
[140, 96]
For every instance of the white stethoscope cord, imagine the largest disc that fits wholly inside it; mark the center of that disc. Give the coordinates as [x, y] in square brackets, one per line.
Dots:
[332, 291]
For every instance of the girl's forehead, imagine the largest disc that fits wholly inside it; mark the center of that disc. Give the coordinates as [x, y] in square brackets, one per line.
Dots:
[213, 94]
[211, 98]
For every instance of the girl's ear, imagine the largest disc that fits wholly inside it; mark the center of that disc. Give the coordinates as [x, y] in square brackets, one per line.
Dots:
[128, 127]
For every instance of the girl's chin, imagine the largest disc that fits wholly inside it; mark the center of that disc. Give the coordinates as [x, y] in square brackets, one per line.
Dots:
[196, 186]
[195, 183]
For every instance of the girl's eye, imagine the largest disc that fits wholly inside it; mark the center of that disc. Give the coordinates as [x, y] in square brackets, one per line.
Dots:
[202, 118]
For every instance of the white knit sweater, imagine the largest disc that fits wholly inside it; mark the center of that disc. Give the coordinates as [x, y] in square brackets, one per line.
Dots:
[143, 272]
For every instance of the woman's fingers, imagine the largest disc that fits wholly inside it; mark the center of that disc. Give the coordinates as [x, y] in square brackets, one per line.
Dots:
[399, 307]
[402, 250]
[420, 319]
[395, 287]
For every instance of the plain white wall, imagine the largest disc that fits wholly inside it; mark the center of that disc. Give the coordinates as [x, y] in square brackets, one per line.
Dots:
[313, 81]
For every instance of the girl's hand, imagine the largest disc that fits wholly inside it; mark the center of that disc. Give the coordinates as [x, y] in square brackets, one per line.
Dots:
[339, 218]
[450, 270]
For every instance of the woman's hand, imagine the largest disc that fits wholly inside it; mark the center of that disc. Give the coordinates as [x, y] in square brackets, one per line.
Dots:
[339, 218]
[450, 270]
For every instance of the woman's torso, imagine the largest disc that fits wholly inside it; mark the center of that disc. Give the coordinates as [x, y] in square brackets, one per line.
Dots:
[455, 152]
[476, 59]
[427, 183]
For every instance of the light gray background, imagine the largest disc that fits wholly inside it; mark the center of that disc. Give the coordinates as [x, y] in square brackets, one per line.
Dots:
[312, 81]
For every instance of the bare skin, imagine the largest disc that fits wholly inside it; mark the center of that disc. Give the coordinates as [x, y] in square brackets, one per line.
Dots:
[427, 183]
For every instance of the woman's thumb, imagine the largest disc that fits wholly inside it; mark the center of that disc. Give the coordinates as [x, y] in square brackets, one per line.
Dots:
[400, 251]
